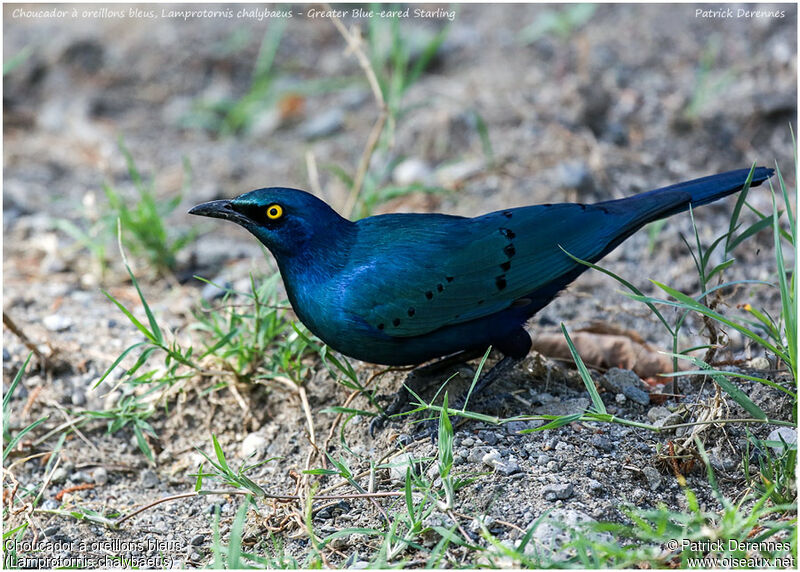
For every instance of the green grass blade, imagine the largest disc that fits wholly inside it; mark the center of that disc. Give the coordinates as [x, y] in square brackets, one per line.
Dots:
[14, 382]
[18, 437]
[685, 301]
[787, 202]
[118, 360]
[159, 337]
[737, 209]
[754, 378]
[584, 373]
[627, 284]
[754, 228]
[220, 454]
[139, 326]
[788, 301]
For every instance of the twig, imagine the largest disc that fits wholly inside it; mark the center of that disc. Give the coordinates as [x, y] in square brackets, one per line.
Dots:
[47, 362]
[313, 173]
[279, 498]
[356, 45]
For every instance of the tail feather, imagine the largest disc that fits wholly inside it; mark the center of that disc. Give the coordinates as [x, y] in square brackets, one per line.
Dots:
[667, 201]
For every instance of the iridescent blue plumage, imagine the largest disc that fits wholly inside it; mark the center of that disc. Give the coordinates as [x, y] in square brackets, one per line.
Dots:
[401, 289]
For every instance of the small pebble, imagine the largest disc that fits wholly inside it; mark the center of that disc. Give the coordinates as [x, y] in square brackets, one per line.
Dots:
[412, 170]
[616, 380]
[81, 477]
[594, 485]
[59, 476]
[653, 477]
[488, 437]
[399, 466]
[515, 427]
[57, 322]
[658, 412]
[50, 504]
[252, 444]
[149, 479]
[100, 476]
[78, 398]
[509, 467]
[557, 491]
[602, 443]
[467, 442]
[492, 458]
[760, 363]
[636, 394]
[789, 436]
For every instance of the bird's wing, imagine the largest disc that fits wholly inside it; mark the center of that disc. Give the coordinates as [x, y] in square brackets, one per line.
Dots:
[419, 274]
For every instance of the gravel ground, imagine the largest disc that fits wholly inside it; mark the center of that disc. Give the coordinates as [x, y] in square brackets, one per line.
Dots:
[634, 98]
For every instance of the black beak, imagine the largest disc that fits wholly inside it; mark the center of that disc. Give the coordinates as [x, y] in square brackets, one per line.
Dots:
[219, 209]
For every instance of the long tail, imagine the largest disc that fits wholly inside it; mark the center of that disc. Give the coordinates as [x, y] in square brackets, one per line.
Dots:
[667, 201]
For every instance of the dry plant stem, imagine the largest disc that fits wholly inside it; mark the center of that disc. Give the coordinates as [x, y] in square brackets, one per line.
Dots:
[278, 498]
[72, 423]
[69, 423]
[313, 173]
[47, 363]
[356, 45]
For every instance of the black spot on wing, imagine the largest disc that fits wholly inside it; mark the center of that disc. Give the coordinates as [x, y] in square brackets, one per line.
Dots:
[507, 214]
[500, 282]
[411, 312]
[449, 278]
[510, 250]
[439, 287]
[396, 322]
[381, 326]
[429, 295]
[505, 266]
[508, 233]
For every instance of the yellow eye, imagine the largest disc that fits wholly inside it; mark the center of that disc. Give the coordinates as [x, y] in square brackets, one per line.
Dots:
[274, 212]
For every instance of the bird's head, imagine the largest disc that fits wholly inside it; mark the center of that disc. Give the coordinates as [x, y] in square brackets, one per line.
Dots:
[287, 221]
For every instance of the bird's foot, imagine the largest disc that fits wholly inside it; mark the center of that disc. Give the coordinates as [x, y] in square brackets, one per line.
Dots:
[398, 405]
[429, 428]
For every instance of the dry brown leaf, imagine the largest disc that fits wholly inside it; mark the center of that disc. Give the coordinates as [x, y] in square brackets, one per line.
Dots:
[606, 350]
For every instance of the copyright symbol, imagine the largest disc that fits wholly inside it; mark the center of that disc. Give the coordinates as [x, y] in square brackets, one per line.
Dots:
[672, 544]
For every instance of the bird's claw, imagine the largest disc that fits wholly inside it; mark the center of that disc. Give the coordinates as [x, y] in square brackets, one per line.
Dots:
[377, 424]
[427, 429]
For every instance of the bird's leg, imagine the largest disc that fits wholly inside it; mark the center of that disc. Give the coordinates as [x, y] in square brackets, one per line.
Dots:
[417, 380]
[429, 428]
